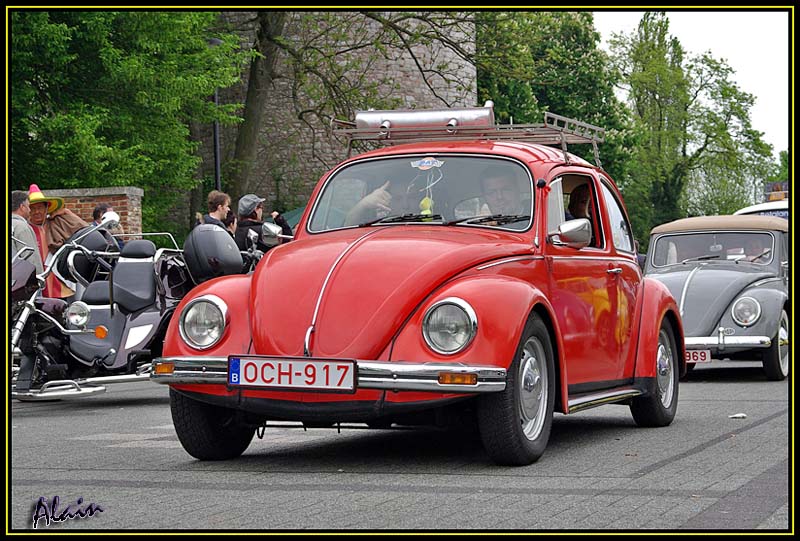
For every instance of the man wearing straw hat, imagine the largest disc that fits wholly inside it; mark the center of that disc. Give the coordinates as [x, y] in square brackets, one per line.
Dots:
[51, 232]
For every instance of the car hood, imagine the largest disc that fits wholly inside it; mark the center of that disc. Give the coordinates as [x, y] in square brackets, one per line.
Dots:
[373, 280]
[712, 287]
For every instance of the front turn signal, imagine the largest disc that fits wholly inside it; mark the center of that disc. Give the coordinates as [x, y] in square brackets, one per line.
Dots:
[446, 378]
[101, 331]
[164, 368]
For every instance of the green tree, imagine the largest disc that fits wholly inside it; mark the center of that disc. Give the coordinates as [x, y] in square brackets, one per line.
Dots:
[698, 152]
[328, 62]
[537, 61]
[101, 98]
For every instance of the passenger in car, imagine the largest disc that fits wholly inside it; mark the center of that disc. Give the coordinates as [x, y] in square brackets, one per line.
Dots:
[753, 248]
[579, 199]
[578, 206]
[501, 193]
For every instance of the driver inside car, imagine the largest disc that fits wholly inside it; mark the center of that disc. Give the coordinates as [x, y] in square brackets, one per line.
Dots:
[390, 198]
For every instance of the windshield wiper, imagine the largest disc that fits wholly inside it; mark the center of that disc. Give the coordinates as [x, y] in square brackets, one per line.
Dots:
[403, 218]
[499, 219]
[701, 258]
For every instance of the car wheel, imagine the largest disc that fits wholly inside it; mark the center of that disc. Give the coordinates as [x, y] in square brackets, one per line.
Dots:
[776, 358]
[658, 407]
[689, 368]
[515, 423]
[208, 432]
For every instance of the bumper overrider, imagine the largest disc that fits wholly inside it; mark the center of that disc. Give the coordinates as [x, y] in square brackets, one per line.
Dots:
[394, 376]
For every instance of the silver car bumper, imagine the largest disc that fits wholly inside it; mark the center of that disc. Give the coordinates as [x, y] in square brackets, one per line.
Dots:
[394, 376]
[721, 342]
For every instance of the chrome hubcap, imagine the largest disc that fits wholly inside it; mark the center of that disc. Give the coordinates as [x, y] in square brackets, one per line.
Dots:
[665, 364]
[532, 384]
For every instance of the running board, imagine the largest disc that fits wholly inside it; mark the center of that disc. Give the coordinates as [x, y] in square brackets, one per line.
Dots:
[603, 397]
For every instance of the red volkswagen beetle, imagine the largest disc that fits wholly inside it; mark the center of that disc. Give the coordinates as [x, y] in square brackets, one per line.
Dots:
[444, 273]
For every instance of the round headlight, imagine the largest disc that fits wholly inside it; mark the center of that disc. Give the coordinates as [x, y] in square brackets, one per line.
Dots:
[746, 311]
[449, 326]
[203, 321]
[78, 314]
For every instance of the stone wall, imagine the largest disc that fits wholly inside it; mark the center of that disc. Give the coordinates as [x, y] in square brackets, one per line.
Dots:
[294, 155]
[126, 201]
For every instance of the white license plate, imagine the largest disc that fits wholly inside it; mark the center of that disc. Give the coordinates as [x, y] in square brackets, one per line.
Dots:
[292, 373]
[698, 355]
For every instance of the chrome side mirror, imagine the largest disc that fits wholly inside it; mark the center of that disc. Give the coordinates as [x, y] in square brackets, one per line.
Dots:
[270, 234]
[573, 233]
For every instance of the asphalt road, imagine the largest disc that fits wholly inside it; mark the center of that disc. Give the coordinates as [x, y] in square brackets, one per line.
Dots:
[706, 471]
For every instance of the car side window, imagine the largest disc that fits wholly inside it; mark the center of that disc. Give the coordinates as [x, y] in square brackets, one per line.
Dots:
[555, 206]
[620, 228]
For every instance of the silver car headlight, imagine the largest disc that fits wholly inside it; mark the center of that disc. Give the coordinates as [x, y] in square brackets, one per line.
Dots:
[203, 321]
[449, 326]
[746, 311]
[78, 314]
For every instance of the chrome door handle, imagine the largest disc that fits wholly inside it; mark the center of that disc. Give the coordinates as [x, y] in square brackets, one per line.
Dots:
[614, 271]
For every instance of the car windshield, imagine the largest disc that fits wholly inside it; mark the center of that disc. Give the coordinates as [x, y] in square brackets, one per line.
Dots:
[444, 190]
[730, 246]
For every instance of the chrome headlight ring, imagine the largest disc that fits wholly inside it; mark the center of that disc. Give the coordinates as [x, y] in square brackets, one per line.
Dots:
[202, 321]
[746, 311]
[449, 326]
[78, 314]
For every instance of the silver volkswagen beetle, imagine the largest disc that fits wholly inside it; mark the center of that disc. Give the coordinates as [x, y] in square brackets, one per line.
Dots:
[730, 277]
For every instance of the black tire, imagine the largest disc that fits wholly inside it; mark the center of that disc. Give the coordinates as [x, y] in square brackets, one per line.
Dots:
[208, 432]
[515, 423]
[658, 407]
[776, 358]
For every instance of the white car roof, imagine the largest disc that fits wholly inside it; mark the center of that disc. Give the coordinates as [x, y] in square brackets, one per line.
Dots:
[761, 207]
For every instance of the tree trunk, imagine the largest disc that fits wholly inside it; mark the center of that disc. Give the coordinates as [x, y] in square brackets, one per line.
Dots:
[262, 72]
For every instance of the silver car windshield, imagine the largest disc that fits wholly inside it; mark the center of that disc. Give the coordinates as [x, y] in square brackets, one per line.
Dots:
[447, 190]
[737, 246]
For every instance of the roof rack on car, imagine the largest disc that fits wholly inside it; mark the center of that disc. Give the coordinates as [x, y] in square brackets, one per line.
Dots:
[468, 123]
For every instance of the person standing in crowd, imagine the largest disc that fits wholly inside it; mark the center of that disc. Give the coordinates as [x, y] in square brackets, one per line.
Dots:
[219, 203]
[250, 209]
[22, 231]
[230, 222]
[97, 216]
[52, 224]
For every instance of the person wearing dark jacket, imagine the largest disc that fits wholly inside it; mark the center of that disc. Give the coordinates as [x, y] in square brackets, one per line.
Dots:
[219, 203]
[250, 208]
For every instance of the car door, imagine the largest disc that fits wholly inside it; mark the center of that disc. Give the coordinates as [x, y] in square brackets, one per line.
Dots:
[625, 285]
[582, 291]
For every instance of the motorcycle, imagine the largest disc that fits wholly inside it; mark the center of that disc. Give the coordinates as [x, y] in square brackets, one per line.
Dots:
[117, 325]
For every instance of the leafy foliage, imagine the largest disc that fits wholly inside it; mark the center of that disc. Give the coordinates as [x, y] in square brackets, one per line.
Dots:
[698, 152]
[102, 98]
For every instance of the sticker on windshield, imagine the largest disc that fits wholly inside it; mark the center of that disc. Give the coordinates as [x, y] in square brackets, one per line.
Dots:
[426, 163]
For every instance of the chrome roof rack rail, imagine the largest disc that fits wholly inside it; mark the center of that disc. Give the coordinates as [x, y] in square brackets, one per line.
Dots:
[470, 123]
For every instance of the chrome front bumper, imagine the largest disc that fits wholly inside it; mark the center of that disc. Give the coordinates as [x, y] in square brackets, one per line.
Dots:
[393, 376]
[722, 342]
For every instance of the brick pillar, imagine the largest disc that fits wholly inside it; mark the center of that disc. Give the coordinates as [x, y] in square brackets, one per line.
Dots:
[126, 201]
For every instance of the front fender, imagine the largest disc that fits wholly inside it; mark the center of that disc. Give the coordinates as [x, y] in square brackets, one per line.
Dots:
[657, 304]
[235, 292]
[502, 305]
[772, 302]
